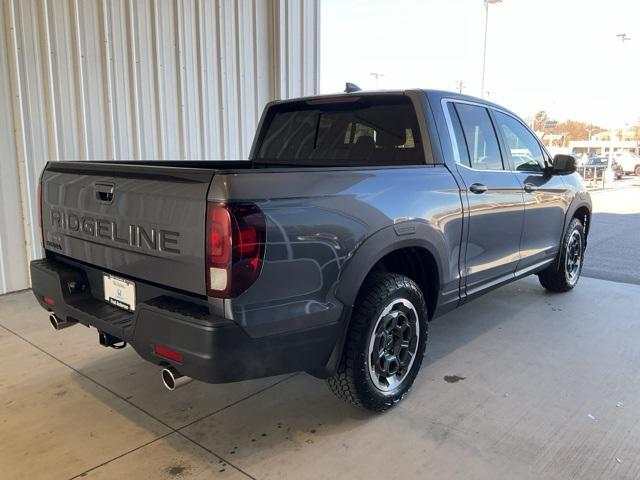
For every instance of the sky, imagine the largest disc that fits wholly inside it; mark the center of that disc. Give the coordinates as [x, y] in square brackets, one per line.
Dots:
[561, 56]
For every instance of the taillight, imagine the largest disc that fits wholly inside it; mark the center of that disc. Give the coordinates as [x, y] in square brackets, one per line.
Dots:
[39, 213]
[235, 248]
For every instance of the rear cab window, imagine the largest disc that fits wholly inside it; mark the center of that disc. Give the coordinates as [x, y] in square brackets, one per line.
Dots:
[344, 131]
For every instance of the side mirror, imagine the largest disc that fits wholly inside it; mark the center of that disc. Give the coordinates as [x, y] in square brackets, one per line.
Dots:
[563, 165]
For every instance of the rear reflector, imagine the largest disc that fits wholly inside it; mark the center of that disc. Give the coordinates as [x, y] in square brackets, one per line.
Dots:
[166, 352]
[236, 237]
[48, 300]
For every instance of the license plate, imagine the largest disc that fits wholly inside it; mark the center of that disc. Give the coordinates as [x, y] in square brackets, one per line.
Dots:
[120, 292]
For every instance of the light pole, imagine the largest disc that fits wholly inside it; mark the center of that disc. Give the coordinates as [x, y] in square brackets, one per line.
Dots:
[486, 28]
[623, 37]
[377, 76]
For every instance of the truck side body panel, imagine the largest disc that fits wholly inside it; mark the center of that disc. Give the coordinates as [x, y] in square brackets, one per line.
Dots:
[320, 223]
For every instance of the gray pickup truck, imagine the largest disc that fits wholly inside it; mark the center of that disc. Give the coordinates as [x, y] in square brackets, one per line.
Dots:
[358, 219]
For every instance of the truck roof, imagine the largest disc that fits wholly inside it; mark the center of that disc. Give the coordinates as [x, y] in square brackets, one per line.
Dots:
[426, 91]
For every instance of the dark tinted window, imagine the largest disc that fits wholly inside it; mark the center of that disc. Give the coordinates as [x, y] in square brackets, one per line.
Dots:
[480, 137]
[365, 131]
[523, 146]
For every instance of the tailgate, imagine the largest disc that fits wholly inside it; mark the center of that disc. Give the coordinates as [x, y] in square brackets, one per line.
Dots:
[144, 222]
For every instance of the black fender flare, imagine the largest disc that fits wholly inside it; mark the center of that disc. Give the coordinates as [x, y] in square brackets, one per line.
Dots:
[355, 270]
[581, 200]
[383, 242]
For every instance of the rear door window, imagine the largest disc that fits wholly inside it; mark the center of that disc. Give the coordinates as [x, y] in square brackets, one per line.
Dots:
[365, 131]
[480, 137]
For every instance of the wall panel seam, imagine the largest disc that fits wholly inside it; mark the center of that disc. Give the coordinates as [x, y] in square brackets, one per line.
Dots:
[19, 123]
[82, 114]
[133, 78]
[47, 53]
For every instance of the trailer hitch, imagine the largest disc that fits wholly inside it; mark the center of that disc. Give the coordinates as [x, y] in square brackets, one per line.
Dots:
[108, 340]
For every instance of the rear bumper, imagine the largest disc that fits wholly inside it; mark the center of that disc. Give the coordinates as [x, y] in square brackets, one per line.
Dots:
[214, 349]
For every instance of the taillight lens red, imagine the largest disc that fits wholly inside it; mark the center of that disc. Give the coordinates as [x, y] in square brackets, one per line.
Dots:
[236, 236]
[218, 235]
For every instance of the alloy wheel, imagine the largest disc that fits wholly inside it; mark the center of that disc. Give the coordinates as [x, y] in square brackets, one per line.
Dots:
[573, 257]
[393, 345]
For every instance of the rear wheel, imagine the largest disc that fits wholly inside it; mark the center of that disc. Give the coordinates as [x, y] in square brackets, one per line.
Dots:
[563, 274]
[637, 170]
[385, 343]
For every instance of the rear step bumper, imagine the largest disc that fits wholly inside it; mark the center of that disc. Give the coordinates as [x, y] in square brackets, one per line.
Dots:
[213, 349]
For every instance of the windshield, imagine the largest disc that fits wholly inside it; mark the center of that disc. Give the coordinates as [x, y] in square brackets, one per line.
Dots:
[358, 131]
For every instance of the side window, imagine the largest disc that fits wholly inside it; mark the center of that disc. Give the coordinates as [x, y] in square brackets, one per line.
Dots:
[525, 149]
[457, 142]
[480, 137]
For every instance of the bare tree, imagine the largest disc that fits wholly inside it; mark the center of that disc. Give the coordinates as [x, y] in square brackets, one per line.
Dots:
[540, 120]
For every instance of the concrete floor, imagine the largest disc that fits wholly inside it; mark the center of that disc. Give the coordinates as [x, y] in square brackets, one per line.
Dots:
[550, 390]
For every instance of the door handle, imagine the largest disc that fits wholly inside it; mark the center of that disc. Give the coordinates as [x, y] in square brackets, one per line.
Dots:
[530, 187]
[478, 188]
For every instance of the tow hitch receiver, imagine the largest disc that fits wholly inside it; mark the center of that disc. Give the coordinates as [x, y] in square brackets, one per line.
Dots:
[108, 340]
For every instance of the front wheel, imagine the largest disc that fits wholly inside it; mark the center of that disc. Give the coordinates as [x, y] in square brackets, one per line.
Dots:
[563, 274]
[385, 343]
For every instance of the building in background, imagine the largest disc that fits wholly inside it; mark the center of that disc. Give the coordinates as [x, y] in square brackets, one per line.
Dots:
[146, 79]
[603, 147]
[627, 134]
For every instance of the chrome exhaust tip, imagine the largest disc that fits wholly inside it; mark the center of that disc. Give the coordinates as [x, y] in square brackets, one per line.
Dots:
[172, 379]
[58, 324]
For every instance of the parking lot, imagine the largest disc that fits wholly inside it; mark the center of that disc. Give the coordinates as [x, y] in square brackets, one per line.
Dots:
[519, 384]
[613, 243]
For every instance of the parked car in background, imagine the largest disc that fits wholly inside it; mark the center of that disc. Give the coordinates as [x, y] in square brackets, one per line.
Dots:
[583, 158]
[629, 162]
[595, 167]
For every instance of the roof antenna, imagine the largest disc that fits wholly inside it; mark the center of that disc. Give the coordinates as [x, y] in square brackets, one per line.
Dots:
[351, 87]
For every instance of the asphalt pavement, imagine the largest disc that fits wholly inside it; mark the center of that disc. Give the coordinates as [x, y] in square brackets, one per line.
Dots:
[613, 251]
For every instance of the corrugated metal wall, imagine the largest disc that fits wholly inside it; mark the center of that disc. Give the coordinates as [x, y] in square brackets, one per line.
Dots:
[136, 79]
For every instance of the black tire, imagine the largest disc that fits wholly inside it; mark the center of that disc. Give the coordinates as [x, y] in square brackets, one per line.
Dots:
[353, 381]
[556, 277]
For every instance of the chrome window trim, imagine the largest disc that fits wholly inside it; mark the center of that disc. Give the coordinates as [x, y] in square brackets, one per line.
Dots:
[488, 170]
[454, 144]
